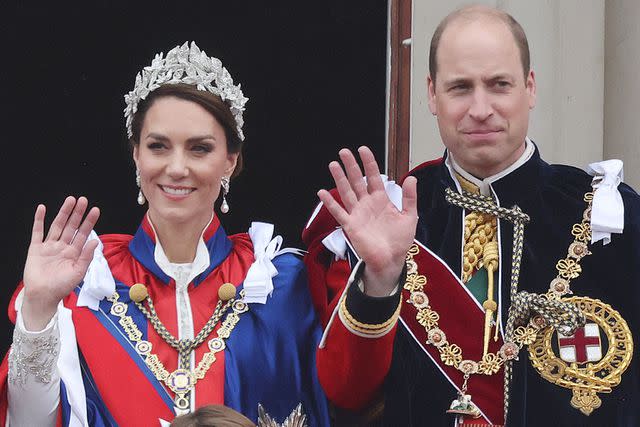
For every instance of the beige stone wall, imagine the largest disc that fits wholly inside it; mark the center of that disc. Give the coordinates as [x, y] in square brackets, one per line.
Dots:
[622, 86]
[588, 91]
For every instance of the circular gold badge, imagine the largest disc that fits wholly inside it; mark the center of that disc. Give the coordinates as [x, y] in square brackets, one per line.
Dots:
[581, 365]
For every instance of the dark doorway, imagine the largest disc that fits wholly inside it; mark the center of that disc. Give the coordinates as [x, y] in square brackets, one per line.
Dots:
[315, 74]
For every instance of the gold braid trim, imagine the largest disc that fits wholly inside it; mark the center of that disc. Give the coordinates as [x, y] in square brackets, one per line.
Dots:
[366, 328]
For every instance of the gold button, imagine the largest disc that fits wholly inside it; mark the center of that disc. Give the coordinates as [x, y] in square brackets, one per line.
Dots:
[226, 292]
[138, 292]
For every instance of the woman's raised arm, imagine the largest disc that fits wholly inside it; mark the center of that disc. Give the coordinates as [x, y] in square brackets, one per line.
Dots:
[58, 262]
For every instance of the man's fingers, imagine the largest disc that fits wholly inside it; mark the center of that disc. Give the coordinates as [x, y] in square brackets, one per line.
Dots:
[333, 207]
[61, 218]
[354, 173]
[74, 220]
[371, 169]
[347, 195]
[410, 196]
[85, 228]
[37, 232]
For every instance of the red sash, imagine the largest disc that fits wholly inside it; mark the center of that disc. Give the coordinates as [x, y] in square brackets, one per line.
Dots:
[462, 320]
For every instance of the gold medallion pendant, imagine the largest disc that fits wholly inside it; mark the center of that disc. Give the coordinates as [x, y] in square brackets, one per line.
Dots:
[579, 364]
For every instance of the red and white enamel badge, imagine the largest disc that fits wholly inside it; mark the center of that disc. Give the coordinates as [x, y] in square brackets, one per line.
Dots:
[581, 365]
[583, 346]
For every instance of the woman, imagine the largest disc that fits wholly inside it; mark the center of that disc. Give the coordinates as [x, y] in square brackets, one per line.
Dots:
[134, 330]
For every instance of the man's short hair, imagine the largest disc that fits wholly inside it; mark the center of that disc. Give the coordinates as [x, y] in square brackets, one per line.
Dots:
[472, 13]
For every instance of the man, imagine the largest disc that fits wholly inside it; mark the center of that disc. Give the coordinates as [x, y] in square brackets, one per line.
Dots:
[495, 228]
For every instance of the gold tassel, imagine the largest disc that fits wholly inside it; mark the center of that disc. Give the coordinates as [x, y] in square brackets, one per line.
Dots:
[490, 261]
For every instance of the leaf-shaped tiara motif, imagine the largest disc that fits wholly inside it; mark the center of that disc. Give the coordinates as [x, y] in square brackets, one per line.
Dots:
[189, 65]
[297, 418]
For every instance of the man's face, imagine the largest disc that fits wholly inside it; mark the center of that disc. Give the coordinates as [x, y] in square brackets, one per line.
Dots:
[481, 97]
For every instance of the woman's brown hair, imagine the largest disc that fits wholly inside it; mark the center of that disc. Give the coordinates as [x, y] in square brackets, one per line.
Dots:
[207, 100]
[213, 416]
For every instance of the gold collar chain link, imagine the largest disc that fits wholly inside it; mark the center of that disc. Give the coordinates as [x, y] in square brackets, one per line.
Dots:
[182, 380]
[528, 313]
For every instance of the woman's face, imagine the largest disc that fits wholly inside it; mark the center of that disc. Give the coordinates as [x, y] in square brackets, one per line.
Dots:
[182, 156]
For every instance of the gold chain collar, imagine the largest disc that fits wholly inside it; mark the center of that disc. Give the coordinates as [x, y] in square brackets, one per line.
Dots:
[182, 380]
[593, 377]
[568, 268]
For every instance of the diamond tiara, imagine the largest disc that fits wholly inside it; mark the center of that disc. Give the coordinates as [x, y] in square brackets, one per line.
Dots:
[189, 65]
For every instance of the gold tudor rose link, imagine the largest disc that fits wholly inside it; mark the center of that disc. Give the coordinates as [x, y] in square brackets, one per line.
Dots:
[568, 268]
[182, 380]
[586, 381]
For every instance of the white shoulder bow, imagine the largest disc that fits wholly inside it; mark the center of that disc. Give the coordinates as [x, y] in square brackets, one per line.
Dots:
[98, 281]
[258, 284]
[607, 211]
